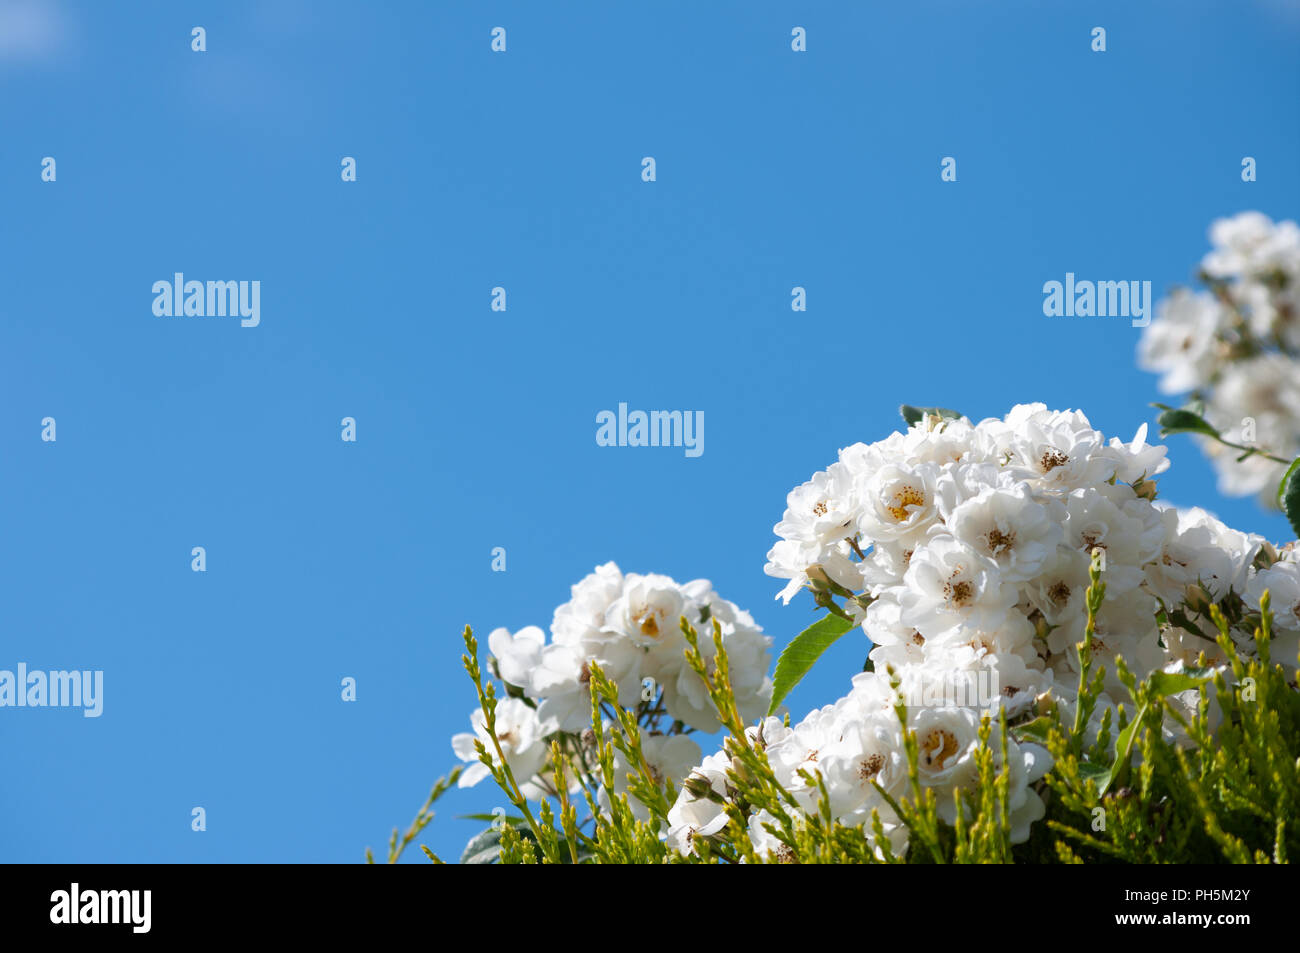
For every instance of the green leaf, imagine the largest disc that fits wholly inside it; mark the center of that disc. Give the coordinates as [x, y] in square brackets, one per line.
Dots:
[490, 818]
[1162, 684]
[801, 653]
[1036, 730]
[1179, 618]
[1123, 751]
[1184, 421]
[912, 415]
[483, 848]
[1098, 773]
[1288, 495]
[1171, 683]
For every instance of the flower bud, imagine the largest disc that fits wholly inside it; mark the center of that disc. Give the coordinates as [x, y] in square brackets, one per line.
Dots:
[817, 577]
[1042, 628]
[1197, 599]
[699, 787]
[1145, 489]
[1267, 556]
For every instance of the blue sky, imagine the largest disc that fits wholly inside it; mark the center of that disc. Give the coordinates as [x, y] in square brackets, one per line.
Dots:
[476, 428]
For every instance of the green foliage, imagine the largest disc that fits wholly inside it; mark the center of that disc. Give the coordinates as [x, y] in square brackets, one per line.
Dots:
[1172, 421]
[1191, 419]
[1225, 794]
[1288, 495]
[422, 819]
[803, 652]
[1215, 780]
[914, 415]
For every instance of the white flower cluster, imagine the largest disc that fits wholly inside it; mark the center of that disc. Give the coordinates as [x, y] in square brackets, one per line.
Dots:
[854, 745]
[1236, 347]
[964, 551]
[628, 624]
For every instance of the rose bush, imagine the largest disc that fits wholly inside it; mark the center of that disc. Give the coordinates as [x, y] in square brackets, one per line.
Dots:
[1061, 667]
[1233, 349]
